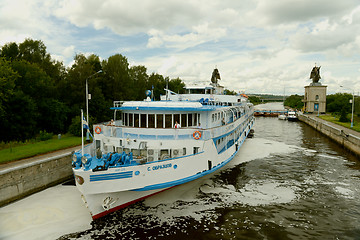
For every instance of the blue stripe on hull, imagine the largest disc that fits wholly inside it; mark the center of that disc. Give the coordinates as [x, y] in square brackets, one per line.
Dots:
[111, 176]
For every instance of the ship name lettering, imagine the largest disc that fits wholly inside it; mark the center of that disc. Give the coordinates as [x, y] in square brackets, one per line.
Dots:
[158, 167]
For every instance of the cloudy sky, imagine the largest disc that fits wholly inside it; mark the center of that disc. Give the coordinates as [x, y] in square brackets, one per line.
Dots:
[259, 46]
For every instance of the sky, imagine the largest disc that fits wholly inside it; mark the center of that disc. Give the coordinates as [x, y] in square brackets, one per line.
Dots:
[259, 46]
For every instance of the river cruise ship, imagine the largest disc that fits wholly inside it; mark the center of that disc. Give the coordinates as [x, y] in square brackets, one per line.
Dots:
[152, 146]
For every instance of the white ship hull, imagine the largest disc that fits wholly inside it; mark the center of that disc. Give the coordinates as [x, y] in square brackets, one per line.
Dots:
[114, 201]
[107, 191]
[157, 145]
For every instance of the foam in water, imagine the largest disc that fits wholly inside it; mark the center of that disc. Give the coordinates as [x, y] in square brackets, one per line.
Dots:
[195, 205]
[46, 215]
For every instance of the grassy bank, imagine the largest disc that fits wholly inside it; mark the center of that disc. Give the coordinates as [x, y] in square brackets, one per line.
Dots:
[335, 119]
[16, 151]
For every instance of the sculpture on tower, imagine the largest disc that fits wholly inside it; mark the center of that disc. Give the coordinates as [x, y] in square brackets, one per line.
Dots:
[215, 76]
[315, 75]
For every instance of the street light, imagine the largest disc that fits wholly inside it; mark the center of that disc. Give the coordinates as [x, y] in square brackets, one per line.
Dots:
[87, 102]
[352, 110]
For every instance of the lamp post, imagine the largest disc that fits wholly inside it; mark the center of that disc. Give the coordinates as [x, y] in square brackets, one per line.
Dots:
[87, 102]
[352, 110]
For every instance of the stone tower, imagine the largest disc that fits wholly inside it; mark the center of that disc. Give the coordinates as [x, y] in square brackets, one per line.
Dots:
[315, 94]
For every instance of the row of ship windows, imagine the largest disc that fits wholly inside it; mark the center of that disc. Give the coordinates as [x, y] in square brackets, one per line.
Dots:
[235, 134]
[160, 120]
[228, 114]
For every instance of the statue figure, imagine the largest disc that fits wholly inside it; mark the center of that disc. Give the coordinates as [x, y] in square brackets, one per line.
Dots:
[315, 74]
[215, 76]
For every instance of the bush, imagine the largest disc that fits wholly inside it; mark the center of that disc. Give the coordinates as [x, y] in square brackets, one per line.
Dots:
[343, 116]
[75, 127]
[43, 135]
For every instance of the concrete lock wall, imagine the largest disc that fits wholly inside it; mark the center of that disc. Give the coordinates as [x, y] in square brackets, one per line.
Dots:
[20, 181]
[347, 140]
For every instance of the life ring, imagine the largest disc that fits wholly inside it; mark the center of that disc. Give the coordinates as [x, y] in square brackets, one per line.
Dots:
[98, 130]
[197, 135]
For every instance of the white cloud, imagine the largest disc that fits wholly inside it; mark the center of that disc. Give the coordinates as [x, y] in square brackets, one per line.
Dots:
[68, 51]
[199, 34]
[257, 45]
[129, 17]
[288, 11]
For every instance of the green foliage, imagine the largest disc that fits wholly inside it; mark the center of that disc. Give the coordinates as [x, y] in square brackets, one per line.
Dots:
[75, 127]
[343, 116]
[7, 84]
[229, 92]
[43, 135]
[294, 101]
[20, 151]
[116, 85]
[10, 51]
[38, 93]
[21, 116]
[336, 103]
[254, 100]
[333, 118]
[177, 85]
[139, 79]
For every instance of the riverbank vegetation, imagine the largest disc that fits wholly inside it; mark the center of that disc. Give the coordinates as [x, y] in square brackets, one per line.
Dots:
[336, 119]
[294, 102]
[38, 93]
[19, 150]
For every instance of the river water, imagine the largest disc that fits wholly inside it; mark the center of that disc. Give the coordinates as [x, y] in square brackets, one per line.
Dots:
[288, 182]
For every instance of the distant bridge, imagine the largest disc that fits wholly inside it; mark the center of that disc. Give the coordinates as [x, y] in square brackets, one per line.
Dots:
[270, 98]
[269, 113]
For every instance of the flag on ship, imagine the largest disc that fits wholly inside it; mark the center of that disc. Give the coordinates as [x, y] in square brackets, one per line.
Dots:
[84, 122]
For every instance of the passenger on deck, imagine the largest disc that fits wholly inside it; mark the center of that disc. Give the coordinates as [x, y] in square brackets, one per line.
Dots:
[223, 121]
[177, 125]
[199, 126]
[111, 123]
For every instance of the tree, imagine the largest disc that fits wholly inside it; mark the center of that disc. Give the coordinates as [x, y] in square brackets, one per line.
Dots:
[10, 51]
[294, 101]
[116, 82]
[357, 106]
[177, 85]
[336, 103]
[53, 115]
[157, 83]
[73, 86]
[343, 115]
[254, 100]
[230, 92]
[7, 90]
[38, 93]
[139, 80]
[32, 80]
[34, 51]
[21, 118]
[33, 87]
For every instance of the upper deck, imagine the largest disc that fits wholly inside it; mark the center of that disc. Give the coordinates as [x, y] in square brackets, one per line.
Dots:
[204, 106]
